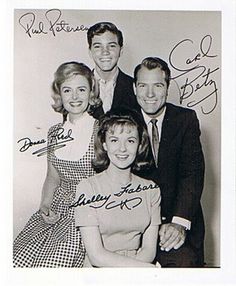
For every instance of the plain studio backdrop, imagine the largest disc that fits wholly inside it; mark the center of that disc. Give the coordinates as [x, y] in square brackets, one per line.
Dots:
[190, 41]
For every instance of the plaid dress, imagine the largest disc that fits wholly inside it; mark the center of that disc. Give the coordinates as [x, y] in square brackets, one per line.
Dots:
[41, 244]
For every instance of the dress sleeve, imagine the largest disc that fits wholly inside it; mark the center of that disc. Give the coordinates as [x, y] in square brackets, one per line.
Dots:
[85, 214]
[155, 206]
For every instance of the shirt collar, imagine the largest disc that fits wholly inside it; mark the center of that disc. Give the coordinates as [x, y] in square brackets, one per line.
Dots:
[160, 117]
[113, 79]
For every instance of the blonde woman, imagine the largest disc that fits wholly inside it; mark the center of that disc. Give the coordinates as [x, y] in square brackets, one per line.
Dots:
[50, 238]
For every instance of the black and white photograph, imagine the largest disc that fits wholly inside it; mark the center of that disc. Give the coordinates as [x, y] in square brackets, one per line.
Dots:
[120, 158]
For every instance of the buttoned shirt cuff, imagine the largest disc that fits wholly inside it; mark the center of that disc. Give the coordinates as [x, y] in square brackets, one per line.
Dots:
[182, 221]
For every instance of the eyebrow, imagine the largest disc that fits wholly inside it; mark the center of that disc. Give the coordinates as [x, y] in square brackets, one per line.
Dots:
[134, 137]
[80, 86]
[99, 43]
[140, 82]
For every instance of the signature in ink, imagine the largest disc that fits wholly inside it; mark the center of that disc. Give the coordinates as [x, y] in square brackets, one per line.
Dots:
[27, 143]
[82, 200]
[108, 202]
[103, 201]
[53, 24]
[194, 75]
[57, 140]
[129, 190]
[129, 204]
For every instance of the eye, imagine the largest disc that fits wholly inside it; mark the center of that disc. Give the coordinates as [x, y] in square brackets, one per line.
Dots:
[97, 46]
[113, 139]
[66, 90]
[113, 45]
[141, 85]
[132, 140]
[159, 85]
[81, 89]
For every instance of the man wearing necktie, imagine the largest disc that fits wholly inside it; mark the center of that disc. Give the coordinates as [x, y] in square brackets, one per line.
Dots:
[114, 86]
[179, 166]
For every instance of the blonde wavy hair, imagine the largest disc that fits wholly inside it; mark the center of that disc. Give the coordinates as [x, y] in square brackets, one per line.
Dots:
[66, 71]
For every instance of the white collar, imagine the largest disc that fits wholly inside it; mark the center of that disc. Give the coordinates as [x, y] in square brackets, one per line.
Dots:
[113, 79]
[159, 117]
[83, 119]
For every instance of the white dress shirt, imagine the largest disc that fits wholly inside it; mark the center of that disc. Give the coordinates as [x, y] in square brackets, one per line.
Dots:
[106, 89]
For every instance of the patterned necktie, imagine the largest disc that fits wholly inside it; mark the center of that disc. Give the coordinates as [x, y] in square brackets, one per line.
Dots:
[155, 140]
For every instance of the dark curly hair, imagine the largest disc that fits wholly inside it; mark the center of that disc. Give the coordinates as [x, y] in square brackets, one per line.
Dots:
[102, 27]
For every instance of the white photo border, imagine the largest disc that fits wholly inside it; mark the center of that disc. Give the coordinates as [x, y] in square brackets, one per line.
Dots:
[219, 276]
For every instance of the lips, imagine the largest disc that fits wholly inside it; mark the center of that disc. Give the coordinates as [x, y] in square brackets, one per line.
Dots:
[105, 60]
[122, 157]
[150, 101]
[76, 104]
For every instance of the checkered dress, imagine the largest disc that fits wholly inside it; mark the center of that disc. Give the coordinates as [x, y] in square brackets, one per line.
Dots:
[41, 244]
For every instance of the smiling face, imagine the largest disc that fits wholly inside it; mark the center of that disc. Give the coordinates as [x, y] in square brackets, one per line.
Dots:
[105, 51]
[75, 93]
[151, 90]
[121, 144]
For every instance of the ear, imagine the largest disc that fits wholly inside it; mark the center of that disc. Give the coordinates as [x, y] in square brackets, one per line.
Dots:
[134, 88]
[139, 149]
[90, 53]
[91, 97]
[95, 87]
[121, 51]
[104, 146]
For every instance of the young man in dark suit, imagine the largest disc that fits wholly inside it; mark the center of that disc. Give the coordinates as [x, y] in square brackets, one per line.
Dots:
[179, 166]
[115, 87]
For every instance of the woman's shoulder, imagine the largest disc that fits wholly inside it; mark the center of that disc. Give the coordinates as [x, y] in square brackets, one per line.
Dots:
[144, 182]
[97, 178]
[90, 186]
[151, 190]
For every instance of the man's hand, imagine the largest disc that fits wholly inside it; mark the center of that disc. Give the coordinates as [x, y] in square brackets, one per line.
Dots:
[172, 235]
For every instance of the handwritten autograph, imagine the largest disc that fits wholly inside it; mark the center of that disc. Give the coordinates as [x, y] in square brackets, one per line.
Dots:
[57, 140]
[98, 201]
[54, 24]
[195, 75]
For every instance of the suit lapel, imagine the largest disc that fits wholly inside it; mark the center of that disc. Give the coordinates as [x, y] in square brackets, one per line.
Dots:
[117, 93]
[168, 132]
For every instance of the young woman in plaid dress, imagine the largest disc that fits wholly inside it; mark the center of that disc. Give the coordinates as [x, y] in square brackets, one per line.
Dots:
[50, 238]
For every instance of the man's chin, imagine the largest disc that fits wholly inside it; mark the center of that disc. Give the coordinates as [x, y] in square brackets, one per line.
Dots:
[107, 69]
[154, 112]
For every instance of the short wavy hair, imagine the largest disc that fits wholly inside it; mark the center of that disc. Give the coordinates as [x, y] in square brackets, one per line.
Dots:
[66, 71]
[123, 118]
[102, 27]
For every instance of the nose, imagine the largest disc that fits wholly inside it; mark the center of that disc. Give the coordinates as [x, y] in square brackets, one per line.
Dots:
[105, 50]
[74, 95]
[122, 147]
[150, 91]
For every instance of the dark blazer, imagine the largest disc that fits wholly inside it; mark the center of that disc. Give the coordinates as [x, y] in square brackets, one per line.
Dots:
[123, 97]
[180, 172]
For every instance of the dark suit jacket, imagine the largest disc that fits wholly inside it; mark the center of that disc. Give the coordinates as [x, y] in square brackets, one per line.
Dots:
[123, 97]
[180, 172]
